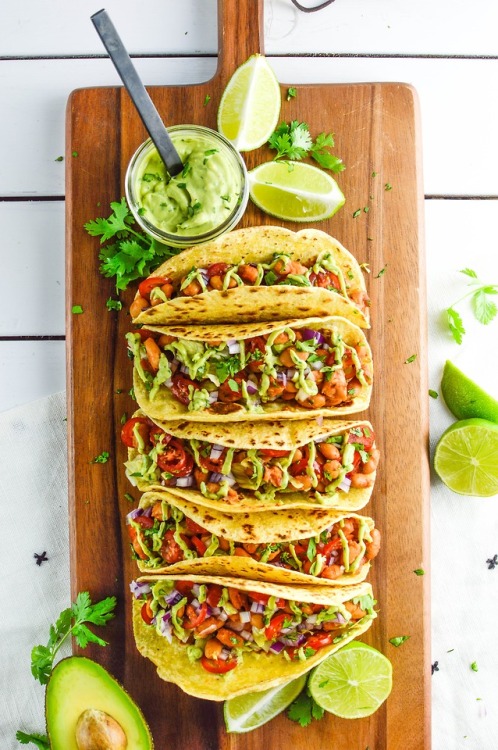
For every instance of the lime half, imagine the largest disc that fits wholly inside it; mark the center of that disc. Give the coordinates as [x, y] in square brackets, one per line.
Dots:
[353, 682]
[250, 711]
[466, 457]
[295, 191]
[464, 398]
[250, 106]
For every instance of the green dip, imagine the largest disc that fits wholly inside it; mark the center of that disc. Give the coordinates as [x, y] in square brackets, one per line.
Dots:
[199, 199]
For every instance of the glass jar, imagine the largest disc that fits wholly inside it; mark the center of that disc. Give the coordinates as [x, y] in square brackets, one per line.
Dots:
[205, 200]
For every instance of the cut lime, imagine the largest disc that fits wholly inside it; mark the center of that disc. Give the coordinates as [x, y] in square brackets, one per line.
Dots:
[466, 457]
[250, 105]
[250, 711]
[353, 682]
[464, 398]
[295, 191]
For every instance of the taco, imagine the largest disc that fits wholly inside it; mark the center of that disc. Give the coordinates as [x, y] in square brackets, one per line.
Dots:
[218, 637]
[318, 366]
[255, 274]
[304, 463]
[172, 535]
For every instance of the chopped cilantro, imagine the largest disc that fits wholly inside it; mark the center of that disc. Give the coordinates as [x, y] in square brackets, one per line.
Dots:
[419, 572]
[433, 394]
[294, 141]
[291, 93]
[75, 154]
[304, 708]
[410, 359]
[59, 158]
[113, 304]
[129, 497]
[102, 458]
[381, 272]
[474, 666]
[356, 213]
[76, 309]
[40, 740]
[388, 186]
[398, 640]
[207, 99]
[483, 308]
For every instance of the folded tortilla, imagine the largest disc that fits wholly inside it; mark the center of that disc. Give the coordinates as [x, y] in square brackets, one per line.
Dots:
[255, 670]
[280, 435]
[257, 245]
[164, 406]
[286, 543]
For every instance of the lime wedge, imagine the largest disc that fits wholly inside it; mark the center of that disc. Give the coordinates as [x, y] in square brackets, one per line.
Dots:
[464, 398]
[466, 457]
[250, 105]
[250, 711]
[295, 191]
[353, 682]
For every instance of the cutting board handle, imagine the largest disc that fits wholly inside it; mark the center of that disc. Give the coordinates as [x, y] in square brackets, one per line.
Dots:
[240, 33]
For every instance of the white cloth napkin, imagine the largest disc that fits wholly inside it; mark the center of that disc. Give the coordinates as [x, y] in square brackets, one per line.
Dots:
[33, 507]
[33, 503]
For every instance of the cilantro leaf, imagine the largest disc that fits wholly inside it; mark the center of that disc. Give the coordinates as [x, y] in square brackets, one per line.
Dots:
[469, 272]
[484, 310]
[304, 708]
[40, 740]
[324, 158]
[132, 254]
[455, 324]
[71, 622]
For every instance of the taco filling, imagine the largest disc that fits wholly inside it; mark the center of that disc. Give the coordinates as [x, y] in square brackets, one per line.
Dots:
[163, 535]
[219, 625]
[281, 270]
[293, 367]
[320, 468]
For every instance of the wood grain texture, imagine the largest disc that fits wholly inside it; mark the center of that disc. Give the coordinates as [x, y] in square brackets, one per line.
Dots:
[376, 127]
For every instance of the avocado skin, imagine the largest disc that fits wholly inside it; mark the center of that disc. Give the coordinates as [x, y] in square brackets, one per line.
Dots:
[78, 683]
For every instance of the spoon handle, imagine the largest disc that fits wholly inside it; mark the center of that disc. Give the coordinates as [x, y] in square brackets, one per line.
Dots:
[133, 84]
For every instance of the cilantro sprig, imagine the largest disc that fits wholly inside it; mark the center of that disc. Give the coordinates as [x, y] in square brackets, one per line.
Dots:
[484, 309]
[294, 141]
[71, 622]
[304, 708]
[133, 254]
[40, 740]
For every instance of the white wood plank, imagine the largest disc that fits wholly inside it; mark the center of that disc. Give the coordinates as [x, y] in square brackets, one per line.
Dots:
[458, 114]
[32, 302]
[446, 27]
[30, 370]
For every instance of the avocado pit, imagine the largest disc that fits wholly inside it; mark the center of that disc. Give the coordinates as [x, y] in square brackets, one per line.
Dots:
[96, 730]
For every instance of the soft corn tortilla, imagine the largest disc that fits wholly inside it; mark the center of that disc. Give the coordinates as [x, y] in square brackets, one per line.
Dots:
[268, 526]
[258, 671]
[166, 407]
[248, 303]
[275, 435]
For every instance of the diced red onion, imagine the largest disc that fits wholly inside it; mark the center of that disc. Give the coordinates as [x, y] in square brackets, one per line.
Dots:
[173, 597]
[257, 607]
[196, 589]
[215, 611]
[246, 635]
[311, 621]
[167, 616]
[218, 478]
[344, 485]
[195, 604]
[317, 365]
[185, 481]
[340, 618]
[222, 616]
[294, 641]
[282, 378]
[301, 395]
[277, 647]
[290, 373]
[133, 514]
[233, 347]
[224, 654]
[138, 588]
[309, 333]
[213, 397]
[216, 451]
[251, 388]
[168, 383]
[245, 616]
[166, 629]
[184, 369]
[238, 627]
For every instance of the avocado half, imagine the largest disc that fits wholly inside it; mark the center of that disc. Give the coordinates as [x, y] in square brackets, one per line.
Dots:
[77, 684]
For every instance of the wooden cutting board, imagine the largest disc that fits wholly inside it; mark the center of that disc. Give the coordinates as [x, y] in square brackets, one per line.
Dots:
[377, 135]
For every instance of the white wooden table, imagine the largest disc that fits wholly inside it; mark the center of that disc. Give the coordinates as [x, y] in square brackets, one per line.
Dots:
[447, 49]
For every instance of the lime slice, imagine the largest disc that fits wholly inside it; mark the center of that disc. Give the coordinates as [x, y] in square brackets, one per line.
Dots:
[353, 682]
[466, 457]
[250, 105]
[464, 398]
[250, 711]
[295, 191]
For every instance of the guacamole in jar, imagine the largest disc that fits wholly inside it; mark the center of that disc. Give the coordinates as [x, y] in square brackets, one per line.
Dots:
[206, 195]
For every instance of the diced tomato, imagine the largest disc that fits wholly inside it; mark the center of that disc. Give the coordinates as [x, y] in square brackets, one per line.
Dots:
[319, 640]
[146, 522]
[364, 440]
[256, 596]
[299, 467]
[213, 594]
[217, 666]
[196, 619]
[147, 285]
[276, 625]
[133, 534]
[171, 551]
[156, 434]
[175, 459]
[127, 432]
[184, 587]
[145, 334]
[199, 545]
[180, 388]
[147, 613]
[334, 544]
[216, 269]
[212, 464]
[258, 343]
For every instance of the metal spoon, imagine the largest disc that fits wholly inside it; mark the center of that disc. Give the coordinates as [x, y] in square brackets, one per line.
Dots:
[139, 96]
